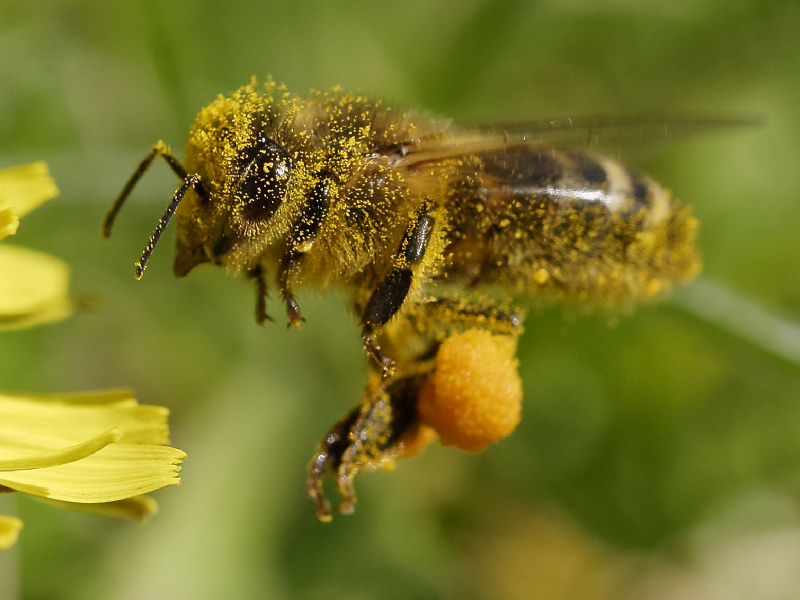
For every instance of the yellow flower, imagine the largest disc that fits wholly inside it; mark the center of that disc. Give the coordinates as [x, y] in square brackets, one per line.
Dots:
[93, 451]
[9, 531]
[33, 286]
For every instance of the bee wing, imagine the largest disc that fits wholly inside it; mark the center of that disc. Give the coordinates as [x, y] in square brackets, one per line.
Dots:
[594, 133]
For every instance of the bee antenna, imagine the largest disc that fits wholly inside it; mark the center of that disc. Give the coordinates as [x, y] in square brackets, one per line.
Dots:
[191, 181]
[162, 150]
[111, 215]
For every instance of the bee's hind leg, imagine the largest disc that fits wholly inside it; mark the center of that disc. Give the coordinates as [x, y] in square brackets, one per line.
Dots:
[328, 457]
[469, 314]
[367, 438]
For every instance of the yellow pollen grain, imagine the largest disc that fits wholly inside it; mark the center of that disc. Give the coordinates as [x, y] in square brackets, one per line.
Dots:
[653, 287]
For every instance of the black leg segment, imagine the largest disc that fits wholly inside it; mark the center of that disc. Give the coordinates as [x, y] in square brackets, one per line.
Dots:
[261, 294]
[388, 297]
[304, 233]
[393, 289]
[416, 239]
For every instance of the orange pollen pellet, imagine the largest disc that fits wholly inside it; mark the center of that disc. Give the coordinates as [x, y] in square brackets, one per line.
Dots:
[474, 397]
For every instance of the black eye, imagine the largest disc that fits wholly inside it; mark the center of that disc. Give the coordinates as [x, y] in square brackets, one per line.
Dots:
[263, 180]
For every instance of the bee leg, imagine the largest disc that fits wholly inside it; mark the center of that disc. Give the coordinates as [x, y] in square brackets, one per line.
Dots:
[486, 316]
[365, 439]
[328, 457]
[304, 233]
[286, 271]
[391, 292]
[257, 273]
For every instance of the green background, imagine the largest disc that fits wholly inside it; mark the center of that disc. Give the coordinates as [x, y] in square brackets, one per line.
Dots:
[644, 434]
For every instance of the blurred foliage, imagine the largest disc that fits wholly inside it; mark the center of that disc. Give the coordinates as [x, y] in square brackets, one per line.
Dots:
[637, 428]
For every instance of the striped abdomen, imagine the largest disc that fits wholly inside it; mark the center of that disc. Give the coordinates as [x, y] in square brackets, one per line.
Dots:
[551, 223]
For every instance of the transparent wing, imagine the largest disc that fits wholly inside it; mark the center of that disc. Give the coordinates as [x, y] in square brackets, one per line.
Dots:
[588, 134]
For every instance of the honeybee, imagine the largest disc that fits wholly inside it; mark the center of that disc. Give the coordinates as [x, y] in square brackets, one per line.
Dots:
[429, 229]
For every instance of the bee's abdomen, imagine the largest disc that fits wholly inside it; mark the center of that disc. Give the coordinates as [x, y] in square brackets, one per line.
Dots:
[568, 178]
[551, 223]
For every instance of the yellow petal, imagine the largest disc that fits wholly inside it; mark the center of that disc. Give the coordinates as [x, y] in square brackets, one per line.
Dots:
[9, 531]
[38, 425]
[26, 187]
[137, 508]
[58, 457]
[9, 222]
[33, 288]
[88, 397]
[51, 422]
[116, 472]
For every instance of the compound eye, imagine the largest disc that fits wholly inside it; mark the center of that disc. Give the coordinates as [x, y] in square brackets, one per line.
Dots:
[264, 179]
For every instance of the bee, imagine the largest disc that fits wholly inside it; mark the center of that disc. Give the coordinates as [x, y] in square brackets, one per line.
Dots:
[430, 230]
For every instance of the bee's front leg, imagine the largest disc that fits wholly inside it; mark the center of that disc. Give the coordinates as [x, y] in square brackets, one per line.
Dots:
[393, 289]
[287, 269]
[262, 315]
[304, 233]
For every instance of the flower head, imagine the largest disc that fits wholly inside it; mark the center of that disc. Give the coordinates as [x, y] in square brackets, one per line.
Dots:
[33, 286]
[93, 451]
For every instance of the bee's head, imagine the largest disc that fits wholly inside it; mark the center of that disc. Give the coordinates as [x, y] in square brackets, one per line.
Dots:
[237, 146]
[240, 176]
[237, 219]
